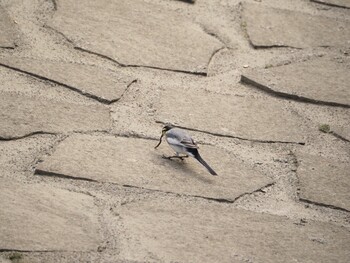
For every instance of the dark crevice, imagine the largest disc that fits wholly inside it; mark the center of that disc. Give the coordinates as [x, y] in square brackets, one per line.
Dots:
[8, 48]
[329, 4]
[323, 205]
[121, 64]
[271, 46]
[47, 173]
[89, 95]
[279, 94]
[219, 200]
[213, 55]
[232, 136]
[39, 251]
[26, 135]
[139, 66]
[127, 88]
[339, 136]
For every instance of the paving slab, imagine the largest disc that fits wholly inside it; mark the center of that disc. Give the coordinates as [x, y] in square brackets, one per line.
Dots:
[178, 231]
[136, 33]
[105, 86]
[337, 3]
[22, 115]
[8, 31]
[39, 217]
[239, 116]
[320, 80]
[324, 180]
[135, 162]
[271, 27]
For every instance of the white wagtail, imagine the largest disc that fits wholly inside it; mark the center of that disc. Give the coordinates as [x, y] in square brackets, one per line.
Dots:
[182, 143]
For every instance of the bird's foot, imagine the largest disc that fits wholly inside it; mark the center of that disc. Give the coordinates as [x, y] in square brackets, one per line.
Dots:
[175, 157]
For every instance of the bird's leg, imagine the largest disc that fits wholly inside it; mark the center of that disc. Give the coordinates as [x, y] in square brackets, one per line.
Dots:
[177, 156]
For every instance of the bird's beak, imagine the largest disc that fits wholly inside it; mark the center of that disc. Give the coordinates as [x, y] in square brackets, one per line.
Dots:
[160, 140]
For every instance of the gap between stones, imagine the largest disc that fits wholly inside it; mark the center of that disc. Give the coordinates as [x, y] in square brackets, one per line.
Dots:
[27, 135]
[279, 94]
[86, 94]
[232, 136]
[329, 4]
[323, 205]
[139, 66]
[219, 200]
[117, 62]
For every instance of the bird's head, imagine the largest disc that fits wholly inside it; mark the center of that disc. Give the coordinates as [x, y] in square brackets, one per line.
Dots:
[166, 128]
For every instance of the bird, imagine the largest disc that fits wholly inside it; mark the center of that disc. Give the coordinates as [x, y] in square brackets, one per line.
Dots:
[182, 143]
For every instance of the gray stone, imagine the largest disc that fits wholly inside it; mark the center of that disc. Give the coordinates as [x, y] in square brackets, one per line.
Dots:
[319, 80]
[268, 27]
[136, 33]
[243, 117]
[337, 3]
[324, 181]
[135, 162]
[176, 231]
[105, 86]
[39, 217]
[22, 115]
[8, 32]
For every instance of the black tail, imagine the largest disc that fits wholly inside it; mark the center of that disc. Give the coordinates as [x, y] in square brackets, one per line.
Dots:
[199, 158]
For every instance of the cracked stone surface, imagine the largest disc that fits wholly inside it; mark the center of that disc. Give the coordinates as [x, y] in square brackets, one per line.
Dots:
[136, 33]
[67, 221]
[270, 27]
[323, 80]
[248, 236]
[135, 162]
[323, 180]
[22, 115]
[80, 180]
[105, 86]
[245, 117]
[338, 3]
[8, 31]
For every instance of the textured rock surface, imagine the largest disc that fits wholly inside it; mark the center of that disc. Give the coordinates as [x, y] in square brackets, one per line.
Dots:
[135, 162]
[136, 33]
[22, 115]
[105, 86]
[269, 27]
[244, 117]
[8, 32]
[323, 180]
[322, 80]
[39, 217]
[248, 237]
[97, 191]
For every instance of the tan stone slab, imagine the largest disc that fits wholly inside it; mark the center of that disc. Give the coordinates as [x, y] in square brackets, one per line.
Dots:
[39, 217]
[22, 115]
[243, 117]
[324, 181]
[136, 33]
[337, 3]
[105, 86]
[268, 27]
[319, 80]
[8, 32]
[135, 162]
[177, 231]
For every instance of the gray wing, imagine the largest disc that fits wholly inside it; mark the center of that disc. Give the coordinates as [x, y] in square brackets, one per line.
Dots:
[180, 137]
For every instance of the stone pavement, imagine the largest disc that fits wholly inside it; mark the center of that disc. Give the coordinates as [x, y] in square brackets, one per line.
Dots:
[262, 86]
